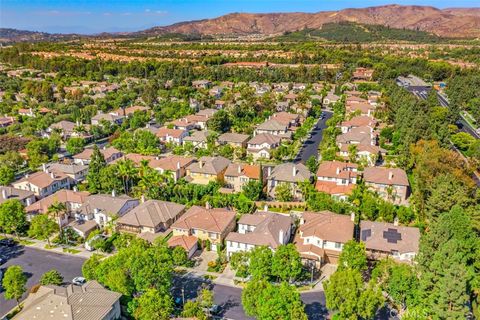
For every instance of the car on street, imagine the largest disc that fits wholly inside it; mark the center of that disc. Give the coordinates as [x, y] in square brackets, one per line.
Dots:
[78, 281]
[7, 243]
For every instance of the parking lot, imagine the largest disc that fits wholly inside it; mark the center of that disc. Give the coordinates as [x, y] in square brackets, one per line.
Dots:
[36, 262]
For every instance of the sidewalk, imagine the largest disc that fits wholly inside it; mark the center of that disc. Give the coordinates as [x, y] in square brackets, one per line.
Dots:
[78, 251]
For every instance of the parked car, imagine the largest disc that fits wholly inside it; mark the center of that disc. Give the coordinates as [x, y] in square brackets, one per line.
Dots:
[79, 281]
[7, 243]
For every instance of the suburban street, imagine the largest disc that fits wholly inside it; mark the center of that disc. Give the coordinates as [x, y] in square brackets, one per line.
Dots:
[36, 262]
[310, 146]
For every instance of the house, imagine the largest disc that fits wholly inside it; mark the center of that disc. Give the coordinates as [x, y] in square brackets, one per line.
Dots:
[390, 183]
[77, 172]
[330, 98]
[103, 208]
[6, 121]
[207, 169]
[26, 112]
[72, 199]
[26, 197]
[219, 104]
[286, 118]
[336, 178]
[201, 84]
[261, 145]
[189, 243]
[363, 74]
[98, 119]
[44, 183]
[174, 136]
[288, 173]
[68, 129]
[262, 228]
[274, 127]
[322, 235]
[185, 124]
[110, 154]
[177, 165]
[206, 224]
[151, 216]
[83, 227]
[238, 175]
[235, 140]
[90, 301]
[199, 139]
[363, 109]
[129, 111]
[358, 121]
[383, 239]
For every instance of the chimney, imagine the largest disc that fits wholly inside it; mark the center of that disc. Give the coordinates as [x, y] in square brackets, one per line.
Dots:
[390, 175]
[178, 165]
[207, 205]
[52, 175]
[352, 216]
[294, 171]
[395, 221]
[269, 171]
[239, 169]
[157, 158]
[142, 199]
[96, 211]
[75, 189]
[338, 171]
[4, 194]
[113, 193]
[280, 237]
[44, 167]
[104, 147]
[200, 163]
[265, 207]
[29, 201]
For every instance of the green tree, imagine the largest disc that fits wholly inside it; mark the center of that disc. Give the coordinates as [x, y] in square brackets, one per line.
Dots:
[14, 281]
[57, 210]
[97, 163]
[75, 145]
[260, 265]
[284, 192]
[51, 277]
[193, 309]
[253, 190]
[286, 262]
[219, 122]
[346, 293]
[239, 263]
[179, 256]
[312, 164]
[252, 295]
[7, 175]
[12, 216]
[42, 227]
[154, 305]
[353, 256]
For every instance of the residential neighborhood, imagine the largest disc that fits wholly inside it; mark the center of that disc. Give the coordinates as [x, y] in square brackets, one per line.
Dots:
[187, 173]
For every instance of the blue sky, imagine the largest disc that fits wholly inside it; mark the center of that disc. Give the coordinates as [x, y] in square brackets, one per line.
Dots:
[93, 16]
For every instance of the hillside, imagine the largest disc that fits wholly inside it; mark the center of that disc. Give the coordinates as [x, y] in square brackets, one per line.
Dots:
[463, 22]
[8, 35]
[353, 33]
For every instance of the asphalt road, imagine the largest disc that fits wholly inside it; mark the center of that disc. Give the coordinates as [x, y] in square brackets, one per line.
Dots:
[230, 299]
[36, 262]
[310, 146]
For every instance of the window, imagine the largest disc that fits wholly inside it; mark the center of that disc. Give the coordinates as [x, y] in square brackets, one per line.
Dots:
[338, 245]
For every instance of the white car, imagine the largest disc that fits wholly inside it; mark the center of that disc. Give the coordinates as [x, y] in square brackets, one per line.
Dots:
[79, 281]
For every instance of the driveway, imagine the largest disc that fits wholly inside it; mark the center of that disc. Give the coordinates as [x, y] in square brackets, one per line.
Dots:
[310, 146]
[36, 262]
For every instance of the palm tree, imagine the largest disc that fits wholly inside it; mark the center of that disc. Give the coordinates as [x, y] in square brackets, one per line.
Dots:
[56, 210]
[127, 171]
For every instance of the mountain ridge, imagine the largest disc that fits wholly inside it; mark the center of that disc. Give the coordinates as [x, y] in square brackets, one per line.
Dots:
[449, 23]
